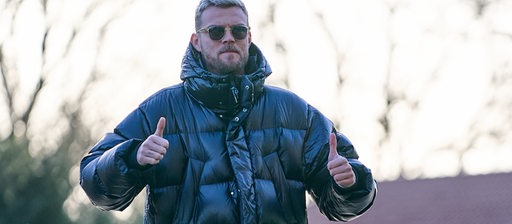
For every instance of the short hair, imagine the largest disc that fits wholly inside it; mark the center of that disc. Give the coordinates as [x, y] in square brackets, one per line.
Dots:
[203, 4]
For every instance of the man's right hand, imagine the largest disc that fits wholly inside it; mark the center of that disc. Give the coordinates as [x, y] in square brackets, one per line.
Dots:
[154, 147]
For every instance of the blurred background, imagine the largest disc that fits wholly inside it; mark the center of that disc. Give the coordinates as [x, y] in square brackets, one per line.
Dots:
[423, 88]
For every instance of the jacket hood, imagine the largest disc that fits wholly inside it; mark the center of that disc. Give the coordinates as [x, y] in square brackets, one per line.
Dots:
[224, 93]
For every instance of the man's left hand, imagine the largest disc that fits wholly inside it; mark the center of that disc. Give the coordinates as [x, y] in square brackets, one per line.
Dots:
[339, 167]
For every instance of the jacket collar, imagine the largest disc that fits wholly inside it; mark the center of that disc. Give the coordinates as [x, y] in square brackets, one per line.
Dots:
[221, 93]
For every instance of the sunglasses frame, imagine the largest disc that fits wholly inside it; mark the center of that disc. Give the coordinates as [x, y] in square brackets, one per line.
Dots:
[224, 28]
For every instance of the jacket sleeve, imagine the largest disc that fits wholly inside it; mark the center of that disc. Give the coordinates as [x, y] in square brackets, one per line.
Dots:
[106, 175]
[336, 203]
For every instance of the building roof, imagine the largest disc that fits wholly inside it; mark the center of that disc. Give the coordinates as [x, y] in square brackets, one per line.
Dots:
[455, 200]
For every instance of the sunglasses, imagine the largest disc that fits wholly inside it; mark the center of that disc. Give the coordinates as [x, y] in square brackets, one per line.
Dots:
[239, 32]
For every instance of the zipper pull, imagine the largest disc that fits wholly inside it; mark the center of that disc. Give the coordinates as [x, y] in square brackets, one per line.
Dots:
[234, 91]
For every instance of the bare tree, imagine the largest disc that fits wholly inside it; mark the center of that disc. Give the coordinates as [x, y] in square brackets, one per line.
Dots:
[35, 173]
[402, 105]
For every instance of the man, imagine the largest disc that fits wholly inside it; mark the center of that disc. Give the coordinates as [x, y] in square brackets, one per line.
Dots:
[222, 147]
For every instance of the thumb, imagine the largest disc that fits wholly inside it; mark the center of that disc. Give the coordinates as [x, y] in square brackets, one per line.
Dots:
[333, 154]
[160, 127]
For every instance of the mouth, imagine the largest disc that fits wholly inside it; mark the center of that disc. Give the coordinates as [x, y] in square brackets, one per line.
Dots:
[229, 50]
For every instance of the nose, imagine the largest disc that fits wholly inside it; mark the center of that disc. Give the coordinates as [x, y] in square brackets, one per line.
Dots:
[228, 35]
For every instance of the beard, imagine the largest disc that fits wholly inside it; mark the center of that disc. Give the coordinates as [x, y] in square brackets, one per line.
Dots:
[227, 66]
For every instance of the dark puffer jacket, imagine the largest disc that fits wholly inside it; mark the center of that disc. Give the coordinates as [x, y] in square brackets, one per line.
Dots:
[239, 152]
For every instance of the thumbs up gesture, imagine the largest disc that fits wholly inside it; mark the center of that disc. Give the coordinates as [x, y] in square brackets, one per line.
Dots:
[338, 166]
[154, 147]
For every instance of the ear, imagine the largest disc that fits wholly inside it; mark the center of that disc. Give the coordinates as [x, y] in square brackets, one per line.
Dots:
[249, 38]
[194, 40]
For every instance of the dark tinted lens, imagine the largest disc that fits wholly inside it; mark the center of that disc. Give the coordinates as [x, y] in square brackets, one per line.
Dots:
[216, 32]
[239, 32]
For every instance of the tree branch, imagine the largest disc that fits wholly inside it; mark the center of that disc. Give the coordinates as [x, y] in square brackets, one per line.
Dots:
[7, 90]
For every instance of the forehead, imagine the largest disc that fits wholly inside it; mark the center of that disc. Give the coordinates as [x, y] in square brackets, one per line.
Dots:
[223, 16]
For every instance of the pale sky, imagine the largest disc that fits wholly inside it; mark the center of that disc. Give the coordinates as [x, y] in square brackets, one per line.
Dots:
[441, 67]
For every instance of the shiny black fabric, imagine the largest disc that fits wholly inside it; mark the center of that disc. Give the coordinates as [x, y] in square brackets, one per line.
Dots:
[239, 152]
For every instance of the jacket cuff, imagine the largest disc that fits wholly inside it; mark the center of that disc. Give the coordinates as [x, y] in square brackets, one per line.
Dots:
[363, 186]
[131, 159]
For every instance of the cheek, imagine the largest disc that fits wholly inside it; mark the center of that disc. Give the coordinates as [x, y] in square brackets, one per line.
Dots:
[206, 48]
[203, 46]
